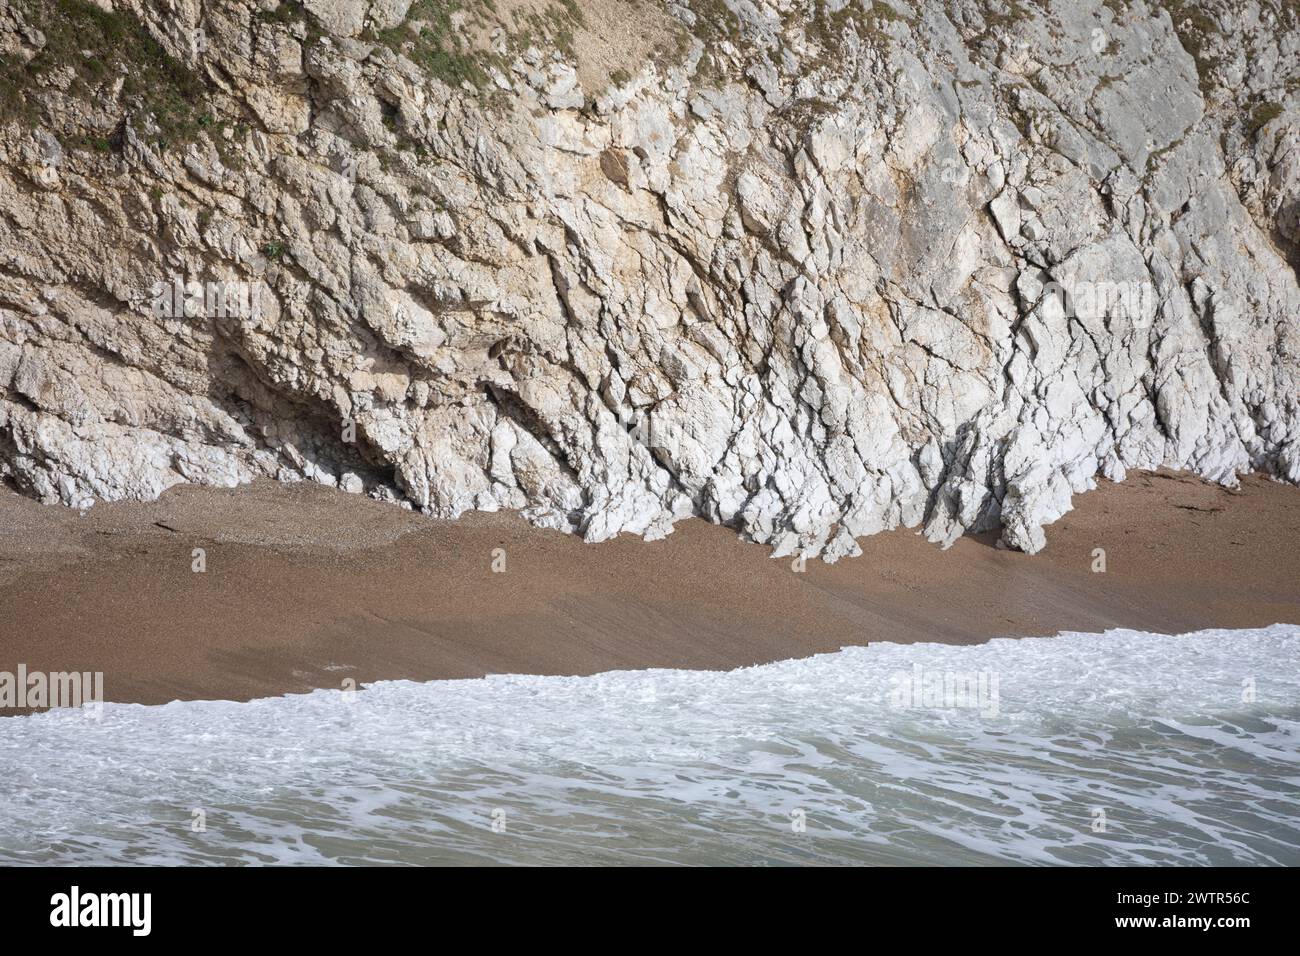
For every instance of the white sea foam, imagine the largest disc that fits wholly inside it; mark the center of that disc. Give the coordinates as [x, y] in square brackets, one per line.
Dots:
[1189, 746]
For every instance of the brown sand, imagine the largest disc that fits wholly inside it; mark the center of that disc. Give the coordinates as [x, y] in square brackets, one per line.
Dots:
[306, 587]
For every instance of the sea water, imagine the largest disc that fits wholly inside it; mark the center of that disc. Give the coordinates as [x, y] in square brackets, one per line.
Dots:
[1116, 748]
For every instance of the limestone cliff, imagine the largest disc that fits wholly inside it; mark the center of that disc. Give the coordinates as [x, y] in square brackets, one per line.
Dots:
[808, 269]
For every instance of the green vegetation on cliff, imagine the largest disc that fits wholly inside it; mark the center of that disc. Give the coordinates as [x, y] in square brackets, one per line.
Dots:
[86, 52]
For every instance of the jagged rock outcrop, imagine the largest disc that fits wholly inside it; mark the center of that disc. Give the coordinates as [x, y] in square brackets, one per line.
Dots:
[808, 269]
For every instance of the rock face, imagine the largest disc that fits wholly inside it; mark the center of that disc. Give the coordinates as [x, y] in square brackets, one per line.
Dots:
[810, 270]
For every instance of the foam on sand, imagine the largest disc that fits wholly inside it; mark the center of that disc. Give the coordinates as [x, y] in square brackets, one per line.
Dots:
[1118, 748]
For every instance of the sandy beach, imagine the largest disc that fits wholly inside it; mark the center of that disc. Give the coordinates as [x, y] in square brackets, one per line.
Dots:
[307, 587]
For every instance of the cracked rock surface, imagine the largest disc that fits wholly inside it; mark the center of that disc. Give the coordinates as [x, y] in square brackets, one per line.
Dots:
[808, 269]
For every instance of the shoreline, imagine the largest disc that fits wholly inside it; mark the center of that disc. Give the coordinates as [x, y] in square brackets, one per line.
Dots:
[306, 587]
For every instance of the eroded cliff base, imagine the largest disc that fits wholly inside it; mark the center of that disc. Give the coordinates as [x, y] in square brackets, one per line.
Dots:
[307, 587]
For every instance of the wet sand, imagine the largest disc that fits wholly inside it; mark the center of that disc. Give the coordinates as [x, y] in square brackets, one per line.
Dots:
[307, 587]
